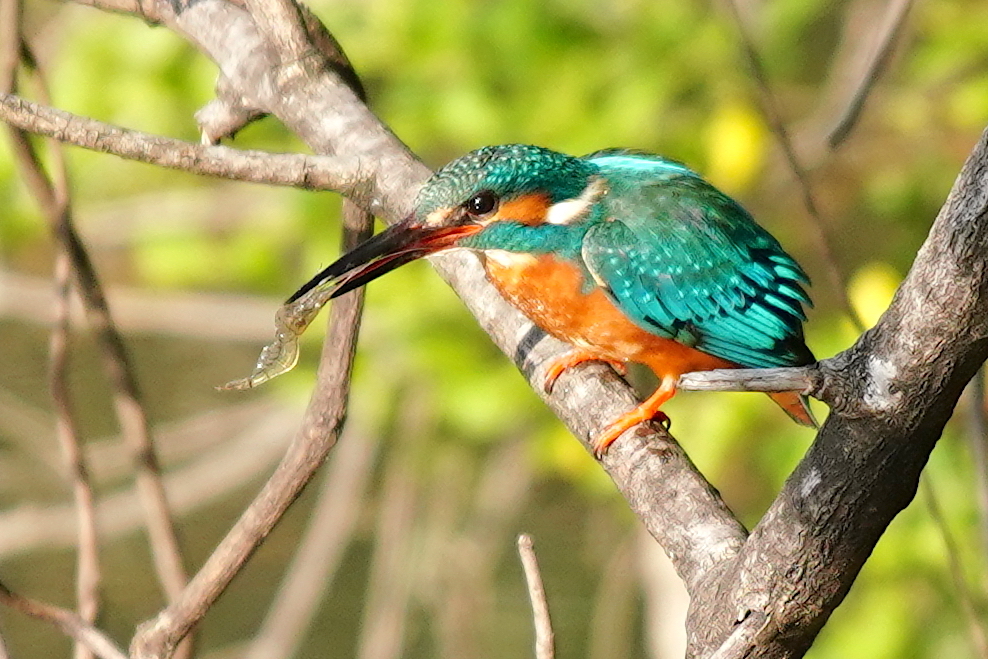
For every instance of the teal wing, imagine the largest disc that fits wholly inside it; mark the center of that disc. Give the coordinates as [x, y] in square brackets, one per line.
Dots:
[686, 262]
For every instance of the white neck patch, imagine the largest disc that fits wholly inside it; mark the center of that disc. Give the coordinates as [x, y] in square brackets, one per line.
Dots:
[572, 210]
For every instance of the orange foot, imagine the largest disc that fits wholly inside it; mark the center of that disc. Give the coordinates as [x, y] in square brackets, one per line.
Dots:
[649, 410]
[571, 359]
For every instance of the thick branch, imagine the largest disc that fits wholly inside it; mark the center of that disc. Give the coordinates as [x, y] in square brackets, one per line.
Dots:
[890, 395]
[663, 487]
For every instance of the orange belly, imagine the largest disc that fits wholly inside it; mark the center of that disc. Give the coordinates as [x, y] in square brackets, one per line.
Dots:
[549, 292]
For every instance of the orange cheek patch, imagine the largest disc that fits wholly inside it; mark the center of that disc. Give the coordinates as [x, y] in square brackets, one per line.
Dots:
[529, 209]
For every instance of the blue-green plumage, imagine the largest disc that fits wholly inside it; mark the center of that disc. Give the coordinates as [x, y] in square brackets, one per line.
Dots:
[628, 256]
[677, 256]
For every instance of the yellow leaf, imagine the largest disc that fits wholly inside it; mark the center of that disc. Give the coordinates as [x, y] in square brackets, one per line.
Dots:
[871, 290]
[735, 147]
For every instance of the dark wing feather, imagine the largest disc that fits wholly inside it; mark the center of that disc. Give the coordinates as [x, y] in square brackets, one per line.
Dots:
[686, 262]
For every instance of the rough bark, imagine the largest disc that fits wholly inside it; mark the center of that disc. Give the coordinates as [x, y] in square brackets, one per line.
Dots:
[763, 595]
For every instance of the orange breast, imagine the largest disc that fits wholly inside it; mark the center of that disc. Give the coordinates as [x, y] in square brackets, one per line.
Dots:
[549, 292]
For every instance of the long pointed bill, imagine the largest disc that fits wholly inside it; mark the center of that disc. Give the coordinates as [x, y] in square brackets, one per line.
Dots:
[395, 246]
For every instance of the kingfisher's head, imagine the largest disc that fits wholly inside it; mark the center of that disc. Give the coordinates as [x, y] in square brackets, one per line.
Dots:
[469, 203]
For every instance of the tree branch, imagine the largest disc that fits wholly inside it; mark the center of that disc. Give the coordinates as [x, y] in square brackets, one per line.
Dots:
[890, 395]
[678, 506]
[804, 379]
[544, 644]
[70, 623]
[337, 173]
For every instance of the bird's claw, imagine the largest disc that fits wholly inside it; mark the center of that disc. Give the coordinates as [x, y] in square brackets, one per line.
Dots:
[623, 424]
[575, 358]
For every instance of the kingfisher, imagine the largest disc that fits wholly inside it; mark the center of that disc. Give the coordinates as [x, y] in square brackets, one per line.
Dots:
[625, 255]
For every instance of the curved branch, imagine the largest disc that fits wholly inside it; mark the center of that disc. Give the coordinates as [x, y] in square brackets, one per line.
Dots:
[337, 173]
[676, 503]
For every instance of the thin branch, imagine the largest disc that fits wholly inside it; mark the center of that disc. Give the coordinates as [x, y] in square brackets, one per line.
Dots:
[807, 380]
[87, 559]
[71, 624]
[331, 528]
[975, 631]
[88, 572]
[116, 361]
[337, 173]
[882, 45]
[770, 109]
[318, 434]
[331, 525]
[544, 643]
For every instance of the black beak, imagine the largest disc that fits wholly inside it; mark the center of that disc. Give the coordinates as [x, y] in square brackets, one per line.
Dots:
[395, 246]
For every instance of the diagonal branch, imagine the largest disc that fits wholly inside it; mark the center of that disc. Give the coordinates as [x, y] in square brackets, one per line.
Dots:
[70, 623]
[317, 435]
[890, 395]
[663, 487]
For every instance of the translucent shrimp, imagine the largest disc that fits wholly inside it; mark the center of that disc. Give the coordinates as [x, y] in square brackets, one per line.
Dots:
[291, 320]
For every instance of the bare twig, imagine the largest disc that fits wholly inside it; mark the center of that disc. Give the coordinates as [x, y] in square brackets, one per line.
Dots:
[804, 379]
[975, 631]
[772, 113]
[544, 643]
[70, 623]
[88, 573]
[130, 412]
[320, 429]
[53, 197]
[881, 43]
[338, 173]
[331, 528]
[87, 560]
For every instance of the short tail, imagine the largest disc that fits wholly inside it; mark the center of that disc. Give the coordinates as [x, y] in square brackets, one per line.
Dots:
[796, 405]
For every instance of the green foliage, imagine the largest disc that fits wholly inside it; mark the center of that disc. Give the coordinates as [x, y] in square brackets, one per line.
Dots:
[664, 76]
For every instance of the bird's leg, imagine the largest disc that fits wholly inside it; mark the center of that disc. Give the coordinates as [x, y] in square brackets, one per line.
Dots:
[571, 359]
[649, 410]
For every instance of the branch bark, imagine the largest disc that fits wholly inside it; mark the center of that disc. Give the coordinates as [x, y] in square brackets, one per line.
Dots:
[766, 595]
[679, 507]
[890, 396]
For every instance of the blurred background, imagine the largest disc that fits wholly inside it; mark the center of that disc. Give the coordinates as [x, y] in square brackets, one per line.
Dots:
[449, 454]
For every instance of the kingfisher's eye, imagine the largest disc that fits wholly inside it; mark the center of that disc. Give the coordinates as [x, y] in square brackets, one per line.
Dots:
[482, 203]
